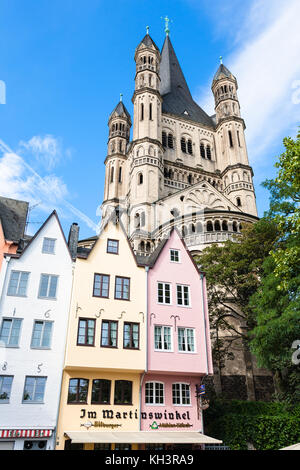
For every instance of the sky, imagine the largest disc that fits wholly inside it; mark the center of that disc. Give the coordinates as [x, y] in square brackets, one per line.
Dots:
[63, 65]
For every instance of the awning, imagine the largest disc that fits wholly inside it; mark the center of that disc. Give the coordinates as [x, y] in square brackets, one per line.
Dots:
[293, 447]
[140, 437]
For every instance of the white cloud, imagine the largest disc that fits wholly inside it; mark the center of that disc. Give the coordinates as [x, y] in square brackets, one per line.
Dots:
[47, 150]
[18, 180]
[266, 63]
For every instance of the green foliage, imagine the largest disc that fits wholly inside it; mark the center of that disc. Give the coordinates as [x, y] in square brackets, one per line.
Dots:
[267, 426]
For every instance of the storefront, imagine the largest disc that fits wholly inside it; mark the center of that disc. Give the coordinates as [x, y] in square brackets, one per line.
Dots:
[26, 439]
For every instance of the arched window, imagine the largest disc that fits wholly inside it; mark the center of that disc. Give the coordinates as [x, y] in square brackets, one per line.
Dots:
[120, 174]
[238, 202]
[164, 139]
[142, 246]
[230, 139]
[170, 141]
[192, 228]
[150, 80]
[120, 146]
[202, 150]
[199, 227]
[217, 226]
[224, 226]
[183, 145]
[208, 152]
[234, 226]
[137, 221]
[140, 178]
[241, 227]
[209, 227]
[190, 179]
[190, 147]
[150, 111]
[148, 247]
[142, 111]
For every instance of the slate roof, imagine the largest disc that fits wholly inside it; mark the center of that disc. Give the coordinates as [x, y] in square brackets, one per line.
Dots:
[148, 42]
[177, 98]
[223, 72]
[120, 109]
[13, 216]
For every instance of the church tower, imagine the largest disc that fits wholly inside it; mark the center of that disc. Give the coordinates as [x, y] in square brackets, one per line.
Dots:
[146, 166]
[230, 139]
[116, 174]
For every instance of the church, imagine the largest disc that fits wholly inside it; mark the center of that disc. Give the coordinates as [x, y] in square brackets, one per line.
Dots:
[181, 168]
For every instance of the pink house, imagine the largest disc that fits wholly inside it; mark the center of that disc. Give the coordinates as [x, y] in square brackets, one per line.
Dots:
[179, 349]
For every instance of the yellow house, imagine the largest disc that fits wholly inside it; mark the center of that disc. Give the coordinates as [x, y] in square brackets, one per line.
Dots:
[106, 345]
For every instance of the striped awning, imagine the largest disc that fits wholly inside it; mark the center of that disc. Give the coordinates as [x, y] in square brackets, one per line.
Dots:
[32, 433]
[140, 437]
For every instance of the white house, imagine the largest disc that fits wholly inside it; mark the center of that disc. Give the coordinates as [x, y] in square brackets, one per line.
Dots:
[35, 291]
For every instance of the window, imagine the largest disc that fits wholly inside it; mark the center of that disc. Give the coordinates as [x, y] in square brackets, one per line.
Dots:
[150, 111]
[41, 335]
[5, 388]
[208, 152]
[86, 332]
[131, 336]
[170, 141]
[164, 293]
[78, 390]
[101, 391]
[120, 175]
[238, 202]
[48, 246]
[163, 338]
[48, 286]
[183, 145]
[112, 174]
[109, 334]
[34, 389]
[140, 178]
[183, 295]
[230, 139]
[122, 288]
[202, 151]
[174, 256]
[102, 446]
[123, 392]
[18, 283]
[101, 285]
[119, 446]
[238, 137]
[113, 246]
[154, 393]
[142, 112]
[181, 394]
[10, 331]
[186, 339]
[190, 147]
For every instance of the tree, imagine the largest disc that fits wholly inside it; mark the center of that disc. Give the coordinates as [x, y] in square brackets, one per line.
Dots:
[233, 271]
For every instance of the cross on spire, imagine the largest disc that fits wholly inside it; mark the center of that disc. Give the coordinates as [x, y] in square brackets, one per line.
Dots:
[147, 29]
[221, 60]
[167, 21]
[121, 97]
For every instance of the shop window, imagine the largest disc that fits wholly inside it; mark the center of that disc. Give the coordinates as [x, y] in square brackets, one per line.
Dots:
[123, 392]
[86, 332]
[78, 390]
[131, 336]
[101, 285]
[70, 446]
[102, 446]
[101, 391]
[119, 446]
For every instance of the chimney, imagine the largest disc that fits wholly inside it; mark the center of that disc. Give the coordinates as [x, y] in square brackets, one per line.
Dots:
[73, 240]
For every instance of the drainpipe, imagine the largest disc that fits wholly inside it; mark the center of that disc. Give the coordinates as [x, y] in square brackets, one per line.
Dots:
[205, 332]
[146, 347]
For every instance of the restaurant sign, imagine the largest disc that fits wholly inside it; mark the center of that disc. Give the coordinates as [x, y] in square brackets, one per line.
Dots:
[32, 433]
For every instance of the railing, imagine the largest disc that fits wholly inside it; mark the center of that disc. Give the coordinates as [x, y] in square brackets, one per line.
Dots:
[208, 237]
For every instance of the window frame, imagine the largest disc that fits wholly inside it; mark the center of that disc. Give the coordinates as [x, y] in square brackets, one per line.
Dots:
[77, 402]
[10, 331]
[178, 252]
[180, 394]
[123, 382]
[54, 245]
[186, 338]
[164, 292]
[107, 246]
[18, 285]
[101, 402]
[155, 382]
[101, 286]
[6, 400]
[48, 286]
[34, 402]
[182, 293]
[131, 324]
[109, 330]
[122, 291]
[86, 320]
[162, 338]
[42, 334]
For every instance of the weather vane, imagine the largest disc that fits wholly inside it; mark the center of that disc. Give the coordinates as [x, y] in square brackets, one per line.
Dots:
[167, 21]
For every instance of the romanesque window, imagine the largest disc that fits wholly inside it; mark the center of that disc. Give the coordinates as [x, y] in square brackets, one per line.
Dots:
[190, 179]
[202, 150]
[164, 139]
[208, 152]
[142, 111]
[120, 175]
[112, 174]
[140, 178]
[150, 111]
[170, 141]
[217, 226]
[224, 226]
[238, 137]
[183, 145]
[190, 147]
[209, 227]
[199, 227]
[238, 201]
[230, 138]
[234, 226]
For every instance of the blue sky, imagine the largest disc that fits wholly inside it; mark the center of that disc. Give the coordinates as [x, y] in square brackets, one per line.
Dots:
[64, 64]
